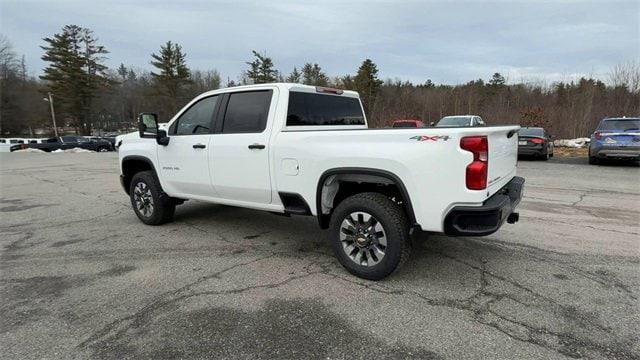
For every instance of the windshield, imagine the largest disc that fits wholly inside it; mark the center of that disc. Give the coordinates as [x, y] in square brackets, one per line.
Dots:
[454, 121]
[620, 124]
[531, 132]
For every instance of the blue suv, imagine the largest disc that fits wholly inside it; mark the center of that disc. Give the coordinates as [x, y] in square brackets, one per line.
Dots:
[615, 138]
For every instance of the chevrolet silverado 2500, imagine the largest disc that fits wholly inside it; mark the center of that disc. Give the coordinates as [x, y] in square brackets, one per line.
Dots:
[296, 149]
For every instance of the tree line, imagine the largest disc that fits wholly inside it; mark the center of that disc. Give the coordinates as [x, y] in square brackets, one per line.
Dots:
[89, 97]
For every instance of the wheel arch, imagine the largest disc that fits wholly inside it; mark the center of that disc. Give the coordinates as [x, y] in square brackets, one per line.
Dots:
[361, 175]
[133, 164]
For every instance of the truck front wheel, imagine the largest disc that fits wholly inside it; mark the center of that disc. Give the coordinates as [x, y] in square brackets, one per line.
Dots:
[150, 203]
[370, 235]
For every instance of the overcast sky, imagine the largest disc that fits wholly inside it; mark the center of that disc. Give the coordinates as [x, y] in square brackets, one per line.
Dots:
[448, 42]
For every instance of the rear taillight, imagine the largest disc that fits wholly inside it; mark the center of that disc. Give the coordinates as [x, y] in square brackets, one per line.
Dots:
[537, 141]
[598, 135]
[477, 171]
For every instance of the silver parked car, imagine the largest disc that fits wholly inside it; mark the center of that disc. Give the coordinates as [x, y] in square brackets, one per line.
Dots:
[460, 121]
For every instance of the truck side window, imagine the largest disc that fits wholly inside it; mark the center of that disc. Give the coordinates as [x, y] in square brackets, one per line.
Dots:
[247, 112]
[197, 119]
[308, 109]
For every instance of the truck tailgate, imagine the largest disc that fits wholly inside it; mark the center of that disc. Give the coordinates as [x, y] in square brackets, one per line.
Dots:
[503, 155]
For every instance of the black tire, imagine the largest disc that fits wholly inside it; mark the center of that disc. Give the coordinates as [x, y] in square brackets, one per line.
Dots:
[395, 231]
[162, 206]
[593, 160]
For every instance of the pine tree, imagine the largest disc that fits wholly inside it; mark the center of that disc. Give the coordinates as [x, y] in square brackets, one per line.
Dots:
[312, 75]
[497, 81]
[367, 84]
[295, 76]
[427, 84]
[172, 76]
[75, 73]
[261, 69]
[123, 71]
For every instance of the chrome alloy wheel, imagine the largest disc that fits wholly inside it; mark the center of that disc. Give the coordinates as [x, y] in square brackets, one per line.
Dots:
[143, 199]
[363, 238]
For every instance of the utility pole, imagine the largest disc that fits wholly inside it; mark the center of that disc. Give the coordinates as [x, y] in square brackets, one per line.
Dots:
[53, 113]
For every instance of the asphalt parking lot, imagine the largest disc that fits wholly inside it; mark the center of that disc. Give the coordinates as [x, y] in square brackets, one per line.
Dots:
[81, 277]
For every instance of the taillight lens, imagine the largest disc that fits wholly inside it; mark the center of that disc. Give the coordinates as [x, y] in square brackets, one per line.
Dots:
[537, 141]
[476, 178]
[598, 135]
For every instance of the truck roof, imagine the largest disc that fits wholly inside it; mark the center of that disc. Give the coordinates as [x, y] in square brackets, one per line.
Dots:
[284, 86]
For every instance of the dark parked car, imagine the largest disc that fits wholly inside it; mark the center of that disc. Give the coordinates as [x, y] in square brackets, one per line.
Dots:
[535, 141]
[111, 139]
[615, 138]
[70, 142]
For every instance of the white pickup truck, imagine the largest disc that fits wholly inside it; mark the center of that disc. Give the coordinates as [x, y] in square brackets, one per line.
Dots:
[296, 149]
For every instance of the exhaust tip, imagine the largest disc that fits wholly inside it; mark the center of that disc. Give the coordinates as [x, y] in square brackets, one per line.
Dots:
[513, 218]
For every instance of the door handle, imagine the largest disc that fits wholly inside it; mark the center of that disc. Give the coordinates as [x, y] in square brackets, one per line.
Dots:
[199, 146]
[256, 146]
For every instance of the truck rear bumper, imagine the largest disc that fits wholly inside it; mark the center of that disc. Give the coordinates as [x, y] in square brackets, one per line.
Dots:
[486, 219]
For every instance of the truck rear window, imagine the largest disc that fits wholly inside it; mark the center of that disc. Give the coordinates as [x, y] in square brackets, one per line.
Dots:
[308, 109]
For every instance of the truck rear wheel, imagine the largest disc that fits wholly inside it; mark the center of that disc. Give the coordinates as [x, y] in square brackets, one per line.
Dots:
[149, 202]
[370, 235]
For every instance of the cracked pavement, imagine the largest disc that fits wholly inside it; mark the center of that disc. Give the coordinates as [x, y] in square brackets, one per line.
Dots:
[81, 277]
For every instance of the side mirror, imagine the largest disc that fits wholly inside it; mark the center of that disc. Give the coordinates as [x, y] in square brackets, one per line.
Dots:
[432, 124]
[148, 128]
[148, 125]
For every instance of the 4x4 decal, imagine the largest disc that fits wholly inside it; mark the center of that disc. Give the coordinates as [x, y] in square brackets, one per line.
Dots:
[430, 138]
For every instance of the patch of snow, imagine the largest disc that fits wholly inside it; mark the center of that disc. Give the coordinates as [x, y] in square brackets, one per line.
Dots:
[74, 150]
[78, 150]
[29, 150]
[572, 143]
